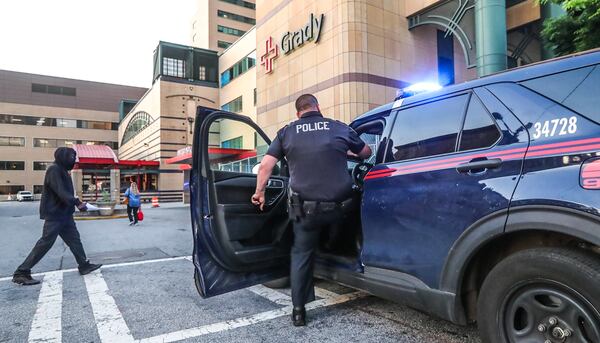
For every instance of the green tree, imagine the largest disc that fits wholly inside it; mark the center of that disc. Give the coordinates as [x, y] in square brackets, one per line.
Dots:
[577, 30]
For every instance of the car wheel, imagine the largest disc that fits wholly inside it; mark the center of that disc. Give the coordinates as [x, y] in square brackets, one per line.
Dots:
[284, 282]
[541, 295]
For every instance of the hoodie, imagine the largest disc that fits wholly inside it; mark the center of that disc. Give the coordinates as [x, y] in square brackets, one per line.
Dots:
[58, 199]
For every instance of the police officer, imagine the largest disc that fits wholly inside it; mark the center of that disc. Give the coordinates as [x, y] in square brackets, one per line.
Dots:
[316, 149]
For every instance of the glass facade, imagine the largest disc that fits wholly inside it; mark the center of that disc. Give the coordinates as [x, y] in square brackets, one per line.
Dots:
[37, 165]
[57, 143]
[223, 45]
[241, 3]
[139, 122]
[12, 141]
[230, 31]
[234, 143]
[17, 119]
[12, 165]
[234, 105]
[238, 69]
[173, 67]
[48, 89]
[236, 17]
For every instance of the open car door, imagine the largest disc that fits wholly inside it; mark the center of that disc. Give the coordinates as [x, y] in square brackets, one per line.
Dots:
[236, 245]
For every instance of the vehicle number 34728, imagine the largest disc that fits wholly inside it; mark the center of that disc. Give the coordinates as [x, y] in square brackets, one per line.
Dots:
[560, 127]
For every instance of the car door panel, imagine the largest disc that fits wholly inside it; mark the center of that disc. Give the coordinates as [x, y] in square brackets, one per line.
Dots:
[414, 211]
[236, 245]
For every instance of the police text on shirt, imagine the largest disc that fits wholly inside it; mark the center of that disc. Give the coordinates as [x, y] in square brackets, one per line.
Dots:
[307, 127]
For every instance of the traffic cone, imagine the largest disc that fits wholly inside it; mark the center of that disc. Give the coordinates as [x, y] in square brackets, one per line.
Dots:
[155, 202]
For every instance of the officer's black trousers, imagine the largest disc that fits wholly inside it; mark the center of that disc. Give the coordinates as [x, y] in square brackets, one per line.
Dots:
[67, 230]
[307, 232]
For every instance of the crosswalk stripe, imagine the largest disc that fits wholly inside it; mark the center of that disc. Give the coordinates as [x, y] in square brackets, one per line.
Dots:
[107, 266]
[109, 320]
[271, 294]
[47, 320]
[249, 320]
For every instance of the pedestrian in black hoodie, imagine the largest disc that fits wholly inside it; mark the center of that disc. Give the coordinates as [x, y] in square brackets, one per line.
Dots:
[56, 208]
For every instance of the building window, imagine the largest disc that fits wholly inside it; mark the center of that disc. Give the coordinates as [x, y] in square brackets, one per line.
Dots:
[236, 17]
[238, 69]
[234, 105]
[38, 189]
[241, 3]
[223, 45]
[41, 165]
[12, 141]
[255, 96]
[13, 189]
[138, 123]
[57, 122]
[12, 165]
[202, 73]
[173, 67]
[230, 31]
[59, 90]
[234, 143]
[445, 52]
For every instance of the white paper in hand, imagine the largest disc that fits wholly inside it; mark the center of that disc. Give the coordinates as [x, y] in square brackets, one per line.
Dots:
[91, 207]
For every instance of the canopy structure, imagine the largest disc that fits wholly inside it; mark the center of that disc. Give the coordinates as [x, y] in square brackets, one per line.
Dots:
[184, 156]
[102, 155]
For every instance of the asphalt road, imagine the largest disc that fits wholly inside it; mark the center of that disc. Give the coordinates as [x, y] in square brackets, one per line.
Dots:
[146, 293]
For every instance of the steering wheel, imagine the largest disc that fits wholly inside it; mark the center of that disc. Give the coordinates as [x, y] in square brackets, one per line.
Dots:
[359, 172]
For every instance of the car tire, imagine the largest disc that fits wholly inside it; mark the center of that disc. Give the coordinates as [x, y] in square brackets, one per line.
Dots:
[528, 291]
[284, 282]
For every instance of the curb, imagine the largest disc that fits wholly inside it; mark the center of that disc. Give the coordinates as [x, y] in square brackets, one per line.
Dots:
[101, 217]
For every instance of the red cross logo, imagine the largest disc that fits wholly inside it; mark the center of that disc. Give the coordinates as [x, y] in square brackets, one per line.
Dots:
[271, 53]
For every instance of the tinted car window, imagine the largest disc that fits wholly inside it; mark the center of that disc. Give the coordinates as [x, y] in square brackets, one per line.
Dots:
[576, 89]
[427, 130]
[479, 130]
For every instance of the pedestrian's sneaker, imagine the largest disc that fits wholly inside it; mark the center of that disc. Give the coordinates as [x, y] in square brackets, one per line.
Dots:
[25, 280]
[131, 223]
[88, 268]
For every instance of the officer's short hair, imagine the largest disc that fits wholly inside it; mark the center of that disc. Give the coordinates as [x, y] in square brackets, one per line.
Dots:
[305, 102]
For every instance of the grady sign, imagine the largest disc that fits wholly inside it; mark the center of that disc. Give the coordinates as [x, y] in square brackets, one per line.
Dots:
[292, 40]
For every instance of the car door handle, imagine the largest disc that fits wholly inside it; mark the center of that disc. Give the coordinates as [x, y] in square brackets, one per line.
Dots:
[480, 164]
[272, 183]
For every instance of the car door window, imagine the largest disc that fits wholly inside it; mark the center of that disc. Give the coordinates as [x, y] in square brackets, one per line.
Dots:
[479, 130]
[426, 130]
[234, 146]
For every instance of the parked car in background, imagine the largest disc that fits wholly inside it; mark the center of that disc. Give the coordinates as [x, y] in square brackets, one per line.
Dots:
[24, 196]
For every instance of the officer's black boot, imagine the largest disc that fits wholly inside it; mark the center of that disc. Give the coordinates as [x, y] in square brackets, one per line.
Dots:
[299, 316]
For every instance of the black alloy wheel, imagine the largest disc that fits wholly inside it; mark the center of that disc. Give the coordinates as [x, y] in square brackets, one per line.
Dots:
[545, 295]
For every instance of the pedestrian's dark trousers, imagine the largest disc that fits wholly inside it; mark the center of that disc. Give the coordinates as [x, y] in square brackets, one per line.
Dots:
[132, 213]
[67, 230]
[307, 231]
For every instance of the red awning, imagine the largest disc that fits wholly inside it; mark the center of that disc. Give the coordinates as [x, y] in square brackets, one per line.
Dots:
[96, 154]
[215, 154]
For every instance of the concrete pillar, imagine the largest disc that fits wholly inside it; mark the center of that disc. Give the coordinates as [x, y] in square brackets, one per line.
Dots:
[115, 185]
[77, 178]
[550, 10]
[490, 36]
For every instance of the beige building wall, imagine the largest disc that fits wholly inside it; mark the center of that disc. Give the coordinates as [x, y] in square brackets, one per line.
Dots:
[204, 33]
[93, 101]
[170, 104]
[364, 55]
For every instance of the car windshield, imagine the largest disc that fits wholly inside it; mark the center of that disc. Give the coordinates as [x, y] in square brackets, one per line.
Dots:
[25, 193]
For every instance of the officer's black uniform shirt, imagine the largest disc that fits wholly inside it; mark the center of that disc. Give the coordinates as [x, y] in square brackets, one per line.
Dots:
[316, 151]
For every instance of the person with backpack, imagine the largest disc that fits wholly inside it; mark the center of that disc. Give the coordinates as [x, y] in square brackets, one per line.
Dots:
[132, 199]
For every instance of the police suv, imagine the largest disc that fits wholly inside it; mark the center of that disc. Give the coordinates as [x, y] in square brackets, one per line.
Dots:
[481, 203]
